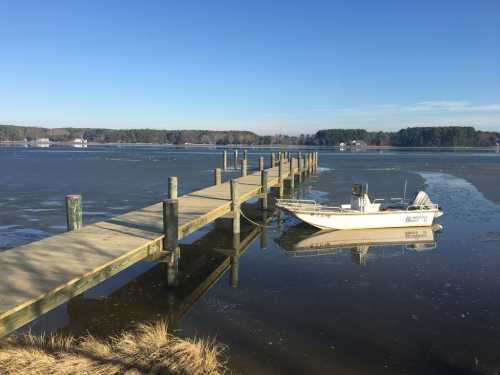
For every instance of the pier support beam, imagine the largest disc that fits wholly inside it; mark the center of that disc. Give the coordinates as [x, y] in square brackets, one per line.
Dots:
[74, 215]
[172, 188]
[235, 158]
[261, 163]
[273, 159]
[224, 160]
[245, 154]
[217, 176]
[264, 177]
[235, 206]
[244, 163]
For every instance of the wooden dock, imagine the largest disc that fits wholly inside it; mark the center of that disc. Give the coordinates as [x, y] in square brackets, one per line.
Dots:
[37, 277]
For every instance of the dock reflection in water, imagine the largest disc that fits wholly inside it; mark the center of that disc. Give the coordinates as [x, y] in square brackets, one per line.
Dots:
[304, 241]
[172, 286]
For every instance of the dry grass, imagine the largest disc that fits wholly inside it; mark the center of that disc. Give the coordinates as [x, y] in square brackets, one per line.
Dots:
[149, 349]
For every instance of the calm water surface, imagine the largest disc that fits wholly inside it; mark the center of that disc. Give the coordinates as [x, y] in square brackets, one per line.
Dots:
[428, 308]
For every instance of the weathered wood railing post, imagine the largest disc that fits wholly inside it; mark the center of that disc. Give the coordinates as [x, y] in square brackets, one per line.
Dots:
[264, 177]
[292, 176]
[172, 187]
[235, 206]
[74, 215]
[224, 160]
[261, 163]
[217, 176]
[244, 163]
[245, 154]
[273, 159]
[235, 158]
[281, 175]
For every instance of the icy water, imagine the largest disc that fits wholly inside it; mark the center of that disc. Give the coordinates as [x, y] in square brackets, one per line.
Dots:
[422, 305]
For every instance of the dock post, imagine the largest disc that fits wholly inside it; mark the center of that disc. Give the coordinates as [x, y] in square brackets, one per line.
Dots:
[317, 160]
[245, 154]
[235, 206]
[273, 159]
[292, 176]
[281, 177]
[299, 169]
[172, 188]
[261, 163]
[217, 176]
[235, 158]
[74, 216]
[224, 160]
[264, 177]
[244, 163]
[170, 224]
[171, 238]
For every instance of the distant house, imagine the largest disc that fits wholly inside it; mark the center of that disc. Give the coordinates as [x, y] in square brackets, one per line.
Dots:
[79, 141]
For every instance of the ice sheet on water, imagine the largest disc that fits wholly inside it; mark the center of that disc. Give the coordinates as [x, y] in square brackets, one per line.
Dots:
[460, 199]
[21, 236]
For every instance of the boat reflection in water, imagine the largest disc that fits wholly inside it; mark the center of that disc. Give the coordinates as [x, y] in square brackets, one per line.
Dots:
[303, 241]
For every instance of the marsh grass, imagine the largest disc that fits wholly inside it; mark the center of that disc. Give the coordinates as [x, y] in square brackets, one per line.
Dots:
[148, 349]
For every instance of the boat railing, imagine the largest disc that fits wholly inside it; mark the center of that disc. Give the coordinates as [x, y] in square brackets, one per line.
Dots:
[306, 204]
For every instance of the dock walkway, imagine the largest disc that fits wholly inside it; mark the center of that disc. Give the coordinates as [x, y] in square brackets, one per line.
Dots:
[39, 276]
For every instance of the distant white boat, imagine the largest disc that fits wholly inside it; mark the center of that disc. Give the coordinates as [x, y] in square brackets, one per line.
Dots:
[363, 212]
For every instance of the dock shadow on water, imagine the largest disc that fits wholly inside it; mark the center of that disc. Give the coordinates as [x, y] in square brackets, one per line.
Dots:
[289, 299]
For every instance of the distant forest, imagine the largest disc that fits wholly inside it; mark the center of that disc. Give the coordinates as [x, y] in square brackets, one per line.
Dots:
[410, 137]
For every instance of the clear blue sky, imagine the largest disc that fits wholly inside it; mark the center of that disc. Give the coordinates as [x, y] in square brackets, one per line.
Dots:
[267, 66]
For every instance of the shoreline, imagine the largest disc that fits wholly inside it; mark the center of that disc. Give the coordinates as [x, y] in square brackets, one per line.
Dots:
[253, 146]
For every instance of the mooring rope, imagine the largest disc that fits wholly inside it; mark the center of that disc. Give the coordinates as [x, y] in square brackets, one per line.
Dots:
[258, 224]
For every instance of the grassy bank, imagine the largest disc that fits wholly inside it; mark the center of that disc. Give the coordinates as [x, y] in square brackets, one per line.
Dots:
[149, 349]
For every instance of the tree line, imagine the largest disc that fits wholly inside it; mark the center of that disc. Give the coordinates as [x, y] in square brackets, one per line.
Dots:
[442, 136]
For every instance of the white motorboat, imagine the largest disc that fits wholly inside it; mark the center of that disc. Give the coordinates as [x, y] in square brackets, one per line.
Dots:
[363, 212]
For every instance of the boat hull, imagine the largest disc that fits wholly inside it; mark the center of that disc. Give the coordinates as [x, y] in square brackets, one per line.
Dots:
[382, 219]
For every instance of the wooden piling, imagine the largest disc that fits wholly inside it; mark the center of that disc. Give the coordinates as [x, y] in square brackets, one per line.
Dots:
[264, 177]
[170, 224]
[281, 177]
[235, 158]
[292, 175]
[235, 206]
[299, 169]
[245, 154]
[74, 215]
[172, 187]
[217, 176]
[173, 267]
[273, 159]
[224, 160]
[261, 163]
[244, 163]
